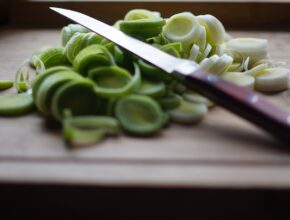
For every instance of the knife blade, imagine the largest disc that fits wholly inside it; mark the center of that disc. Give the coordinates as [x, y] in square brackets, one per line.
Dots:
[241, 101]
[150, 54]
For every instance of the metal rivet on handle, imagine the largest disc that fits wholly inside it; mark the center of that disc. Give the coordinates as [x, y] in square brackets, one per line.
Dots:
[253, 98]
[212, 78]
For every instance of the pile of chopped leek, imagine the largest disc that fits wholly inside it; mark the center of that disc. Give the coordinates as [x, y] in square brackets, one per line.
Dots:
[96, 89]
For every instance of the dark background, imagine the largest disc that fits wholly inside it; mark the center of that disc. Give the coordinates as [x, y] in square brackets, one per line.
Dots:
[4, 12]
[242, 14]
[80, 202]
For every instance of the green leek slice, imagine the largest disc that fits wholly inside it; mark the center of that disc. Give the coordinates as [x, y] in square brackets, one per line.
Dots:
[16, 104]
[84, 130]
[142, 28]
[170, 101]
[6, 84]
[49, 86]
[78, 42]
[152, 88]
[137, 14]
[113, 81]
[41, 77]
[139, 114]
[91, 57]
[153, 72]
[50, 57]
[119, 55]
[76, 95]
[68, 31]
[177, 87]
[173, 49]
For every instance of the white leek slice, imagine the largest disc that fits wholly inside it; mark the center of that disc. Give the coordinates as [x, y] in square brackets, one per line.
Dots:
[257, 70]
[202, 55]
[240, 79]
[255, 48]
[246, 64]
[227, 37]
[270, 63]
[239, 62]
[194, 51]
[215, 30]
[216, 64]
[188, 112]
[182, 27]
[222, 64]
[207, 50]
[207, 63]
[218, 50]
[235, 67]
[273, 80]
[201, 40]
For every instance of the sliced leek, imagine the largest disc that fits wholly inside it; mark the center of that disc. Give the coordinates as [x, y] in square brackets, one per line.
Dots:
[40, 78]
[113, 81]
[78, 42]
[86, 130]
[50, 56]
[254, 48]
[91, 57]
[142, 23]
[169, 101]
[216, 64]
[273, 80]
[49, 86]
[215, 31]
[152, 72]
[139, 114]
[142, 28]
[16, 104]
[182, 27]
[137, 14]
[240, 79]
[188, 112]
[95, 88]
[68, 31]
[152, 88]
[6, 84]
[192, 96]
[76, 95]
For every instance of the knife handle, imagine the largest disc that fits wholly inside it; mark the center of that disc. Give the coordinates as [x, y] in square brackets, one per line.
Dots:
[243, 102]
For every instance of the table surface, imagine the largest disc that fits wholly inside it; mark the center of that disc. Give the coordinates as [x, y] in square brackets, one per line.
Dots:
[222, 151]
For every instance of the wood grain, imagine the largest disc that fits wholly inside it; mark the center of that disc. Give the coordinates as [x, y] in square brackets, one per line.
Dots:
[222, 151]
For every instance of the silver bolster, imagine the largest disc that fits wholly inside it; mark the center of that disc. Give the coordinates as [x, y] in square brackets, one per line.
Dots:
[186, 67]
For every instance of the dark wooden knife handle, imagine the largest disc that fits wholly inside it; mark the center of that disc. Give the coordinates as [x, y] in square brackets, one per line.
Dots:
[243, 102]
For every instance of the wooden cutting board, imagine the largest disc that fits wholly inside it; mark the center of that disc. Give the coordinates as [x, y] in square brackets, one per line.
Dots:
[221, 151]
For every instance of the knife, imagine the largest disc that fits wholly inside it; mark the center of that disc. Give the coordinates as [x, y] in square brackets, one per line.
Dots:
[241, 101]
